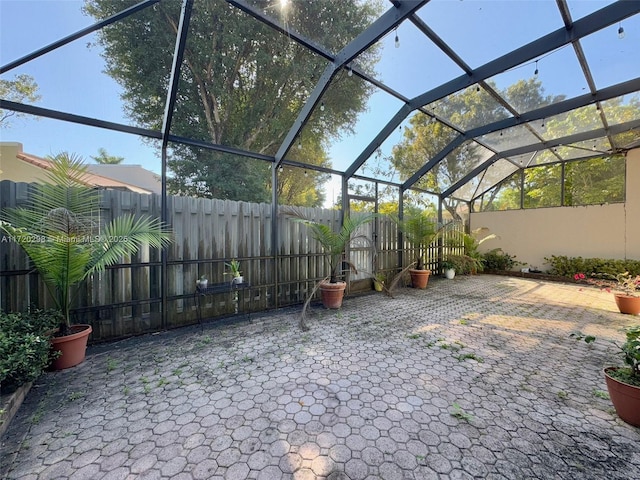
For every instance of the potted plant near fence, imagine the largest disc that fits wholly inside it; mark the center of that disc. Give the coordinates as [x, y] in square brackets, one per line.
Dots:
[202, 283]
[378, 281]
[60, 231]
[334, 245]
[234, 271]
[421, 231]
[449, 268]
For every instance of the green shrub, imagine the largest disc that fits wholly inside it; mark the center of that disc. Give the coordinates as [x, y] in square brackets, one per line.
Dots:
[25, 346]
[464, 264]
[498, 260]
[569, 266]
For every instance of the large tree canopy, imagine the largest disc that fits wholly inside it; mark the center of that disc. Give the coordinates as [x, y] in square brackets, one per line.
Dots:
[22, 89]
[242, 84]
[104, 158]
[584, 182]
[425, 138]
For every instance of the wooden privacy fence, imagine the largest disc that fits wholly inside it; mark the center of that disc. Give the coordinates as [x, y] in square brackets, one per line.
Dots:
[126, 298]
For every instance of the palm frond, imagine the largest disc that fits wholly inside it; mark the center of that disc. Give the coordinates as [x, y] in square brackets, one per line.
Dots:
[303, 315]
[124, 236]
[65, 186]
[58, 230]
[397, 278]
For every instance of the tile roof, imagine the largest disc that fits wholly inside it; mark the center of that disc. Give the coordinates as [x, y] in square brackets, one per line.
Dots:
[90, 179]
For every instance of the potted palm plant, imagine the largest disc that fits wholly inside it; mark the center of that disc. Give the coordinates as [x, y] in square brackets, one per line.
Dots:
[60, 231]
[334, 245]
[421, 231]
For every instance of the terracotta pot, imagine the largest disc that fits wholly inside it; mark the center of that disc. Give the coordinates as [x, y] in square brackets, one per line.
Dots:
[73, 347]
[628, 304]
[419, 278]
[332, 294]
[625, 398]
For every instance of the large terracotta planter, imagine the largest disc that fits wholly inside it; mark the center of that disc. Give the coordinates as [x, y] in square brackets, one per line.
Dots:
[332, 294]
[73, 347]
[625, 398]
[419, 278]
[628, 304]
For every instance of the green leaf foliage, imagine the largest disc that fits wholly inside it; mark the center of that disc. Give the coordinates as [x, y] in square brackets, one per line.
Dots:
[498, 260]
[631, 350]
[421, 230]
[242, 84]
[569, 266]
[103, 158]
[24, 346]
[424, 138]
[22, 89]
[63, 235]
[334, 243]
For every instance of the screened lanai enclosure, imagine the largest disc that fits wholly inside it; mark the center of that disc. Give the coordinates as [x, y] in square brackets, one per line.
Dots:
[520, 117]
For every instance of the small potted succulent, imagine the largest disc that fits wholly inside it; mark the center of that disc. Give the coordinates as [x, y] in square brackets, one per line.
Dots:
[202, 282]
[234, 271]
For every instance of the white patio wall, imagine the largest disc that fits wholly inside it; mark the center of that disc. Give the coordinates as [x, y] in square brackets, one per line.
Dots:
[605, 231]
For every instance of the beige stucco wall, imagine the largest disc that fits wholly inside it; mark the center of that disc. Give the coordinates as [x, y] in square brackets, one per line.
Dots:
[633, 204]
[11, 168]
[605, 231]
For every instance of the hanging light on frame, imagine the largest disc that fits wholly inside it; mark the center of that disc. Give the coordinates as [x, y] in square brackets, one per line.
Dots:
[620, 32]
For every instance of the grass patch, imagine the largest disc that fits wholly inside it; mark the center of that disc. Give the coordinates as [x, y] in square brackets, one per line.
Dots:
[470, 356]
[601, 394]
[75, 396]
[112, 364]
[459, 413]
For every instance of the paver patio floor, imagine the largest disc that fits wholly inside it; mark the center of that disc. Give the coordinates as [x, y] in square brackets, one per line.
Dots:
[471, 378]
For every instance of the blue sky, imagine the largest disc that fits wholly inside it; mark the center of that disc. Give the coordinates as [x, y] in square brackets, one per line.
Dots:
[71, 78]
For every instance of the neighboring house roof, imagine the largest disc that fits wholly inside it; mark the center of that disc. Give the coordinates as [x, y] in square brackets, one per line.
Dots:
[131, 174]
[91, 179]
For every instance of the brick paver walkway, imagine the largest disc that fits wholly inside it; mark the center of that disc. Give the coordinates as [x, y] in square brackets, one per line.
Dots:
[471, 378]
